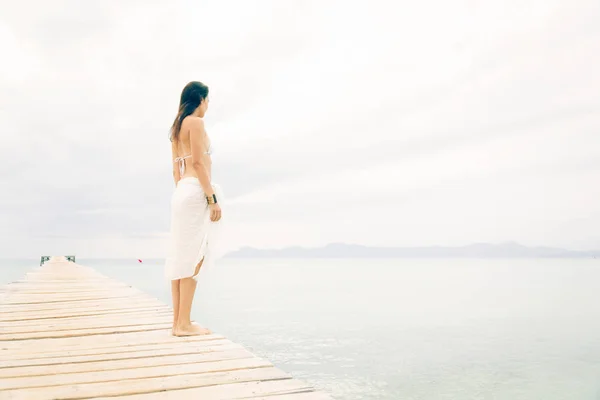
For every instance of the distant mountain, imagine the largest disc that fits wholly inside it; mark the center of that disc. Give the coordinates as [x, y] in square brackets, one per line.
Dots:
[340, 250]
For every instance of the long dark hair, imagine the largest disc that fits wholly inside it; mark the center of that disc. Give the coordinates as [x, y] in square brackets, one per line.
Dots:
[191, 96]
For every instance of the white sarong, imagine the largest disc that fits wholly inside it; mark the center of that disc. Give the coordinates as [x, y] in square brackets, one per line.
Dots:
[193, 235]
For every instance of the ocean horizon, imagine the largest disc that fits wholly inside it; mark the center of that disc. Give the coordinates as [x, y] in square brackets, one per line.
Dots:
[389, 329]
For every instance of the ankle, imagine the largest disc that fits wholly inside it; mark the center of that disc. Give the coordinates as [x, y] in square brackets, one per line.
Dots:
[181, 324]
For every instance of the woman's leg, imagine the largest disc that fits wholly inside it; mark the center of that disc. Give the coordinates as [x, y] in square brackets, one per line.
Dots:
[187, 288]
[175, 292]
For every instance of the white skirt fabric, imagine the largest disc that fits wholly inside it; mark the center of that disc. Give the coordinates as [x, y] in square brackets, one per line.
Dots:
[193, 235]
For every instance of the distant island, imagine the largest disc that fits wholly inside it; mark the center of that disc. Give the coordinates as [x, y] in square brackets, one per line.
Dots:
[483, 250]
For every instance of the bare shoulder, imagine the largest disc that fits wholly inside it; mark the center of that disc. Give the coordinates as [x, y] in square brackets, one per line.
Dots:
[195, 123]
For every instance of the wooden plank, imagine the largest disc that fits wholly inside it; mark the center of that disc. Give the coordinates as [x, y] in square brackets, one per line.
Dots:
[63, 294]
[115, 353]
[100, 308]
[44, 298]
[97, 284]
[27, 316]
[67, 302]
[56, 291]
[83, 312]
[89, 323]
[100, 341]
[145, 385]
[15, 302]
[80, 283]
[292, 396]
[68, 324]
[82, 332]
[146, 367]
[105, 304]
[226, 391]
[68, 288]
[75, 282]
[86, 320]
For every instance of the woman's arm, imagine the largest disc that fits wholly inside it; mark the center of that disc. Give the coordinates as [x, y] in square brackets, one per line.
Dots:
[198, 148]
[176, 174]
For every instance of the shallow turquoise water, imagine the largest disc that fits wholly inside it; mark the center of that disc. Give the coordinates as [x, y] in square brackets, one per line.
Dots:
[402, 329]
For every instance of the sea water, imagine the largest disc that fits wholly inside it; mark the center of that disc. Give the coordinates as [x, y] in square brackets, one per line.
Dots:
[401, 329]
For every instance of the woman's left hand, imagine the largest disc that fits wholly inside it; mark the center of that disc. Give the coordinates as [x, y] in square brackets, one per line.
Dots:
[215, 212]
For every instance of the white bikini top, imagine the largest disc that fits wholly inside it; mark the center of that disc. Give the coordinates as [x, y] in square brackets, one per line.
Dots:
[181, 160]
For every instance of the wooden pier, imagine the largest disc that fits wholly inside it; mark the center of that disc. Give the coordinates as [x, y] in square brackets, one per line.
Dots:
[69, 332]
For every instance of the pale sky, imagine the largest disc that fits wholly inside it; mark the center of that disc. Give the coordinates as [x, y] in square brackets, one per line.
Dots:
[371, 122]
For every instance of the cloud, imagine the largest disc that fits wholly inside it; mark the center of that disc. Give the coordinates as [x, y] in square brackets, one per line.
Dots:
[439, 123]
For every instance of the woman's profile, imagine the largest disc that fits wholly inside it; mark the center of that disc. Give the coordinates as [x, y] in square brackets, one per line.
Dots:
[195, 209]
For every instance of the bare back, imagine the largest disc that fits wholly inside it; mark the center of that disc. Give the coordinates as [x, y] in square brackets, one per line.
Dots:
[184, 149]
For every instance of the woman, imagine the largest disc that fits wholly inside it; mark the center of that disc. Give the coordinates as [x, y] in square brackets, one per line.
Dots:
[195, 208]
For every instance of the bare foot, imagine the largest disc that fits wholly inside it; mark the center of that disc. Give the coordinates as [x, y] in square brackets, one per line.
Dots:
[190, 330]
[174, 328]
